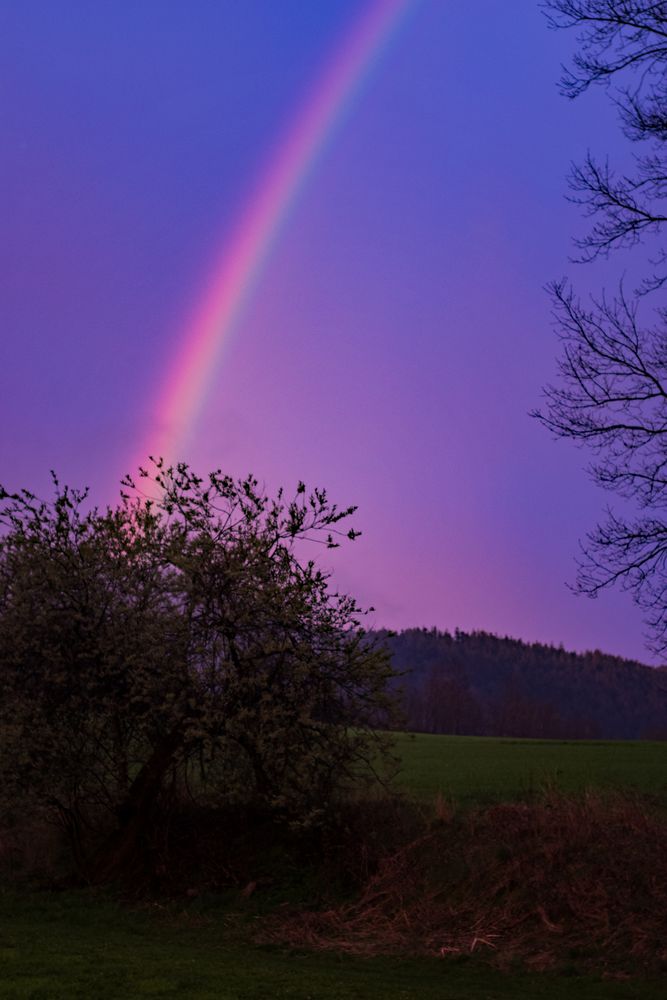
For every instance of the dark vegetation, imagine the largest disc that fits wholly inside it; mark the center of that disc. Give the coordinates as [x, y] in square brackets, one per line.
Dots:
[611, 392]
[188, 713]
[175, 648]
[480, 684]
[549, 883]
[571, 885]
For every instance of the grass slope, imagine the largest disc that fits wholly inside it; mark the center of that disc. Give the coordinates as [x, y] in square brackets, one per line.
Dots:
[475, 769]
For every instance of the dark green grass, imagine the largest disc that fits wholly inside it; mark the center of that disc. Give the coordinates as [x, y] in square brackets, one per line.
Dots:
[67, 946]
[471, 769]
[72, 946]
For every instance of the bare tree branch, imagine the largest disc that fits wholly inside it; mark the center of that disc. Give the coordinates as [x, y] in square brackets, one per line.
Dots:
[611, 393]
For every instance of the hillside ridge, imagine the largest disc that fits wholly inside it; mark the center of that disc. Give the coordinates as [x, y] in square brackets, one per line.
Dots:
[480, 684]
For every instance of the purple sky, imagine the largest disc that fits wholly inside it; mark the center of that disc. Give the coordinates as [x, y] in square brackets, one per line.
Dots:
[400, 332]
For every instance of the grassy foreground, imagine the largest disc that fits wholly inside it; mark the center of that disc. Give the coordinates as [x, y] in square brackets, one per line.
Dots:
[64, 946]
[477, 769]
[71, 946]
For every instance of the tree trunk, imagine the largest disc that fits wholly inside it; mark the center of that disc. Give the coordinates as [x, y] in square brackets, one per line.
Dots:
[123, 853]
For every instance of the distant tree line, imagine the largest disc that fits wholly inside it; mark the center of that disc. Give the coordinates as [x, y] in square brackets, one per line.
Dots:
[480, 684]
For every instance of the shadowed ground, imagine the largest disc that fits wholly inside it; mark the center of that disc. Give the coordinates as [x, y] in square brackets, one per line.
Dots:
[77, 946]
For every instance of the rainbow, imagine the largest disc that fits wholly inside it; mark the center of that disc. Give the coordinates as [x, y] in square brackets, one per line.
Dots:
[235, 275]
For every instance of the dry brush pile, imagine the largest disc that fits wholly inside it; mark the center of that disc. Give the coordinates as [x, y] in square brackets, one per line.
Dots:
[561, 882]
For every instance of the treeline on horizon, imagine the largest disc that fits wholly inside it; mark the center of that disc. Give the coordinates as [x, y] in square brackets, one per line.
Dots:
[478, 684]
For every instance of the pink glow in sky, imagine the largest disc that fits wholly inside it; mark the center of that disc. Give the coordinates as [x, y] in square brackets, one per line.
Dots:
[390, 345]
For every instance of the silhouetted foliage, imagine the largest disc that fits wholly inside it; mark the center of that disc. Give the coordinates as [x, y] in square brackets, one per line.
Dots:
[612, 392]
[478, 684]
[178, 642]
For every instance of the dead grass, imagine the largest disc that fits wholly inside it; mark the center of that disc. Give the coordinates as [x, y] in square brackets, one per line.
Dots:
[565, 882]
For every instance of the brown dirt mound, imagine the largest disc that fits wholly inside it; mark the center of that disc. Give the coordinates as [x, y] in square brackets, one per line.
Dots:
[578, 882]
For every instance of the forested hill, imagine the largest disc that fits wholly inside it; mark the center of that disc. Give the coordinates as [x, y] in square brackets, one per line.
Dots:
[480, 684]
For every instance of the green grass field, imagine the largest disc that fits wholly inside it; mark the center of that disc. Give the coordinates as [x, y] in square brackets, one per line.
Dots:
[64, 946]
[472, 769]
[79, 947]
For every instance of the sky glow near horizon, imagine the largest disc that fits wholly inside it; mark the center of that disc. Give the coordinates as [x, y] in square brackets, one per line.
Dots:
[393, 340]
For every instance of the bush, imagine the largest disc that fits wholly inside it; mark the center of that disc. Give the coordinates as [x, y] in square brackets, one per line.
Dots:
[178, 642]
